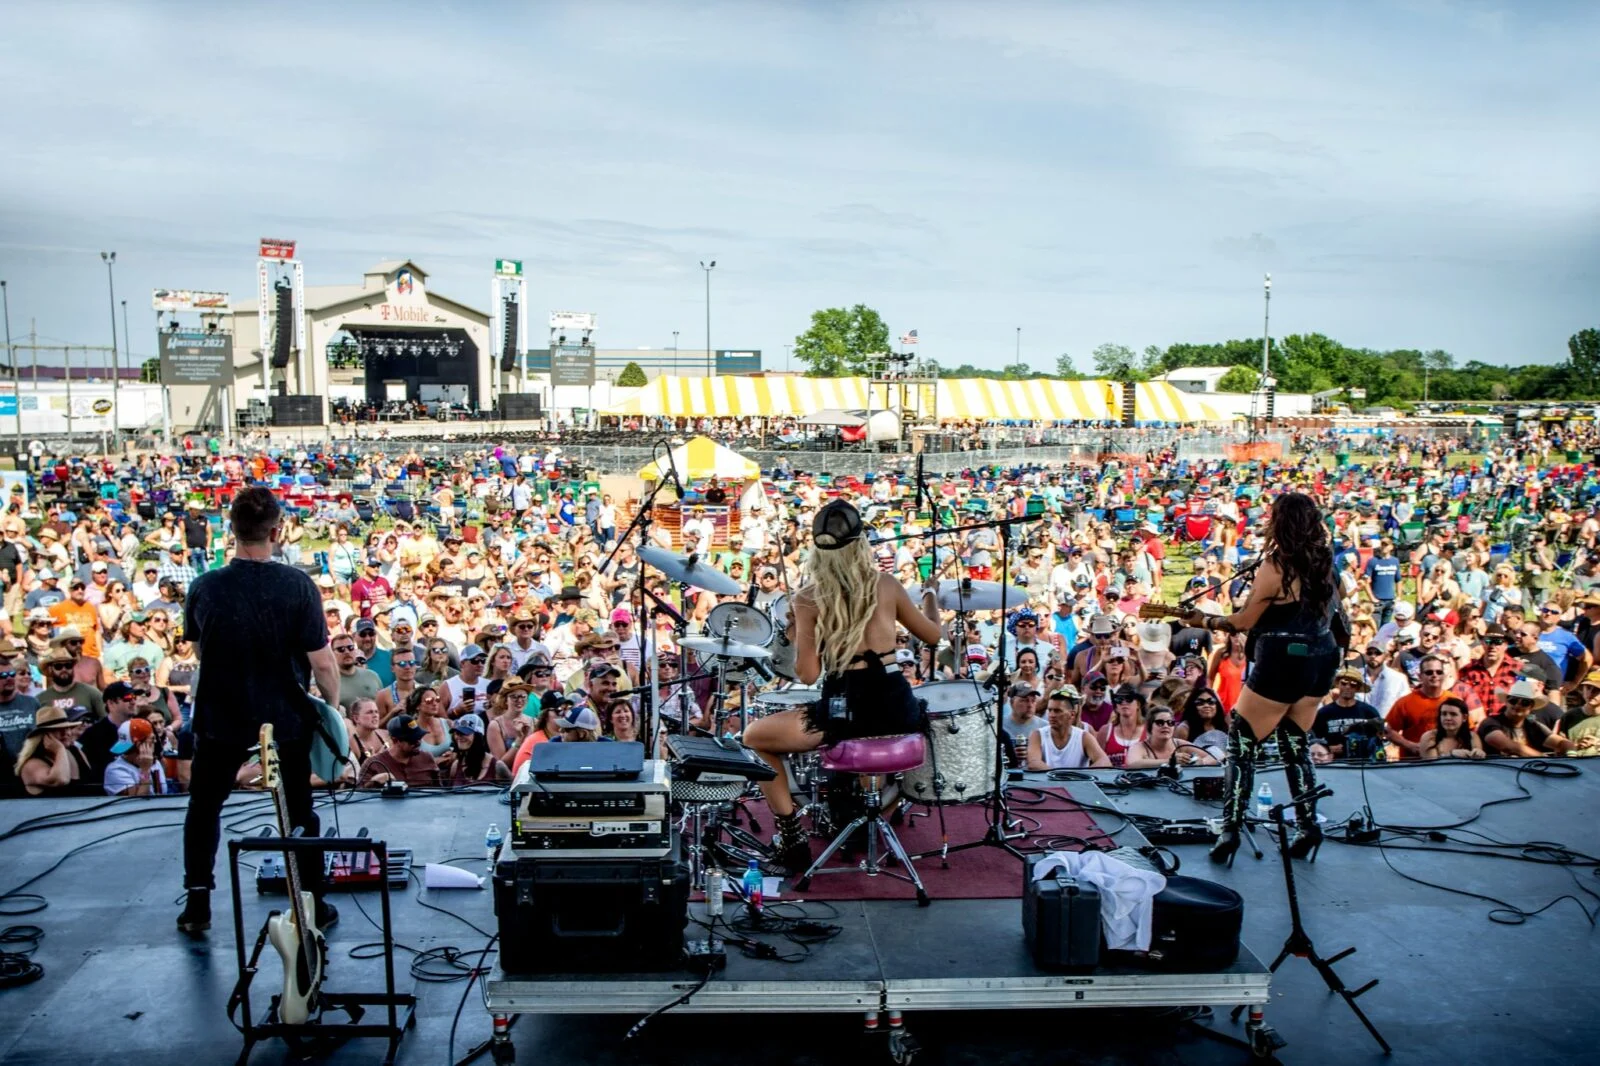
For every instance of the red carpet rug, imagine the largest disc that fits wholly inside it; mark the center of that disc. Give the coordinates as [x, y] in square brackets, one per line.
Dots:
[977, 873]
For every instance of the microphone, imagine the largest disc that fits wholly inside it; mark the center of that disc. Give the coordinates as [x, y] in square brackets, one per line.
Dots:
[672, 470]
[1169, 772]
[750, 596]
[765, 671]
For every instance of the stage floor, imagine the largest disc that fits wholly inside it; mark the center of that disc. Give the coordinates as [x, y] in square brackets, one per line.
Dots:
[121, 986]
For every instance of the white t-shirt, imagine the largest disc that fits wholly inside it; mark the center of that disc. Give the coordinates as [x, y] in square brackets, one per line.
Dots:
[457, 689]
[122, 775]
[521, 655]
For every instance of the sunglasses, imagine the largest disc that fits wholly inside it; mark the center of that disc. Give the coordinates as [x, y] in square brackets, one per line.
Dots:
[141, 672]
[1432, 673]
[479, 659]
[7, 675]
[1518, 701]
[341, 649]
[400, 664]
[1161, 722]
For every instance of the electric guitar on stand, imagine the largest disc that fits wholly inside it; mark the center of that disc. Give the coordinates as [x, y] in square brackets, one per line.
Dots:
[293, 933]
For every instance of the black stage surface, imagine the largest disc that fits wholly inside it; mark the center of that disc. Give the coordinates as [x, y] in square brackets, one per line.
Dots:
[122, 986]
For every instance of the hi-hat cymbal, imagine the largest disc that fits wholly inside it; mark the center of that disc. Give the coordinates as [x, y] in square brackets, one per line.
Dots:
[725, 649]
[691, 570]
[966, 595]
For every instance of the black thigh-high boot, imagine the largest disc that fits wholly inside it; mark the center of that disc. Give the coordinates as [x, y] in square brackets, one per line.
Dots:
[1296, 747]
[1238, 784]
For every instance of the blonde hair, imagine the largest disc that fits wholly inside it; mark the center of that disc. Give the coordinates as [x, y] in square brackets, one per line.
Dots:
[844, 586]
[29, 746]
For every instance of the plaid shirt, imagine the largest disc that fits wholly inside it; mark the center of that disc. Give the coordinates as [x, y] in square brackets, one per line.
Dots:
[1483, 689]
[183, 574]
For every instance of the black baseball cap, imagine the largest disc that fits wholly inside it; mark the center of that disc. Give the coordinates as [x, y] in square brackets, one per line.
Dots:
[836, 525]
[404, 727]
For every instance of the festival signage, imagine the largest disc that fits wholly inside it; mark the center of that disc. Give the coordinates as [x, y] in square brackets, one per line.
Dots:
[273, 248]
[747, 362]
[571, 321]
[571, 364]
[192, 357]
[189, 300]
[508, 268]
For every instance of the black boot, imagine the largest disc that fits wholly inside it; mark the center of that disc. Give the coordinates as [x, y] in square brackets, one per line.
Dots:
[196, 916]
[1239, 781]
[1296, 748]
[794, 844]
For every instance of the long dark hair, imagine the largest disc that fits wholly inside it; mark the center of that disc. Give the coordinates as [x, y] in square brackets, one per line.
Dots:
[1297, 544]
[472, 758]
[1463, 734]
[1191, 717]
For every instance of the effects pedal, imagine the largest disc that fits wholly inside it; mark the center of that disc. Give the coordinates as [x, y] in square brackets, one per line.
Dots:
[706, 955]
[345, 871]
[1181, 833]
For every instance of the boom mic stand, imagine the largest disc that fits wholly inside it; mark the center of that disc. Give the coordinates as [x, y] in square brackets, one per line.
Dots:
[1299, 941]
[647, 698]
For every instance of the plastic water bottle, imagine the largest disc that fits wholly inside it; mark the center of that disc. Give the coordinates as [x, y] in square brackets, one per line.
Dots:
[1264, 801]
[491, 844]
[752, 888]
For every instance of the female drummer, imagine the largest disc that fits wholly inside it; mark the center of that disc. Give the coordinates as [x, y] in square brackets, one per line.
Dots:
[845, 614]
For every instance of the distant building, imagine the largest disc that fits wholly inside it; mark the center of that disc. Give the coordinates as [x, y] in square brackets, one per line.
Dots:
[683, 363]
[1195, 378]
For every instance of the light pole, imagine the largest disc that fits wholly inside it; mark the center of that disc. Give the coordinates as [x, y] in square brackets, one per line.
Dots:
[708, 270]
[110, 260]
[1019, 347]
[1266, 326]
[674, 352]
[16, 377]
[788, 350]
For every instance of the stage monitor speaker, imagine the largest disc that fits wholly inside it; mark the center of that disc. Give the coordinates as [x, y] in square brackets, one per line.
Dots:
[283, 324]
[508, 340]
[1272, 401]
[520, 406]
[1130, 395]
[296, 410]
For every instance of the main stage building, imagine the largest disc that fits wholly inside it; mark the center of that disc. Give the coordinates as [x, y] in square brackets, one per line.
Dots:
[386, 338]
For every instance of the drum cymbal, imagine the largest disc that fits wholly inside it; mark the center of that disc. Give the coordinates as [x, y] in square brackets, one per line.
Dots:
[690, 571]
[726, 649]
[965, 595]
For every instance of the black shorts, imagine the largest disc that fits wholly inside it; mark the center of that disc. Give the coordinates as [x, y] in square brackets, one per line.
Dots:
[1288, 667]
[878, 703]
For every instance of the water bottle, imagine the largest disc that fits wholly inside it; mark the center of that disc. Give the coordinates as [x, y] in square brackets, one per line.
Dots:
[491, 844]
[1264, 801]
[752, 888]
[714, 880]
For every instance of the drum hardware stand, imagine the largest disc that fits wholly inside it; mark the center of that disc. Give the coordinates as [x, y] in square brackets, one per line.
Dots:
[1000, 819]
[1299, 941]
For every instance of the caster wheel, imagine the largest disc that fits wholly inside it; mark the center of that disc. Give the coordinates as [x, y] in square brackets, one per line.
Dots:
[902, 1047]
[503, 1054]
[802, 884]
[922, 898]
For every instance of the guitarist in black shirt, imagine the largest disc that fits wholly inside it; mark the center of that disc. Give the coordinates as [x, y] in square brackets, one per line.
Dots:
[261, 637]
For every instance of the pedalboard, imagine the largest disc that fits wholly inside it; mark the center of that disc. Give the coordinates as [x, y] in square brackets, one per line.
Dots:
[1180, 833]
[345, 871]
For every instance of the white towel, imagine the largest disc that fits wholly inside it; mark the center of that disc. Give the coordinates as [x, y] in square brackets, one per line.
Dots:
[1126, 893]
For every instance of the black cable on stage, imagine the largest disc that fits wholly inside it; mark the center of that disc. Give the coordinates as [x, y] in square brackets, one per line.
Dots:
[17, 945]
[466, 989]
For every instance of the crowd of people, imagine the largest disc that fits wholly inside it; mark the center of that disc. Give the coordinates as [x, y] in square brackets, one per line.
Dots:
[496, 616]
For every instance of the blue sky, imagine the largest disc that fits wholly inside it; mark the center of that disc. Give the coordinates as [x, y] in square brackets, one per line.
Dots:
[1419, 174]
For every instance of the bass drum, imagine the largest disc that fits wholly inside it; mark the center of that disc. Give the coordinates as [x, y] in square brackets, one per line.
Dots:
[782, 643]
[962, 745]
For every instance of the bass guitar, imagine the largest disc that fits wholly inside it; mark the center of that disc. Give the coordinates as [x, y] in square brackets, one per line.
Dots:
[294, 933]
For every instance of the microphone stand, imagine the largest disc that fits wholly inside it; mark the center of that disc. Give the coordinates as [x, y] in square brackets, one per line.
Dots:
[641, 522]
[996, 836]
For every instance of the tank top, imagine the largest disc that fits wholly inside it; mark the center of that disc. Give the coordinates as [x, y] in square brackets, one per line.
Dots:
[1070, 756]
[1116, 750]
[1229, 682]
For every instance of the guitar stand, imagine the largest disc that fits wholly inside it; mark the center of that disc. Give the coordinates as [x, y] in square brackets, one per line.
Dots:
[1299, 943]
[319, 1037]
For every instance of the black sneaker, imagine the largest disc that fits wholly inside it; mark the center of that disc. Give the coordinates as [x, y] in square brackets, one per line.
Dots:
[327, 916]
[196, 916]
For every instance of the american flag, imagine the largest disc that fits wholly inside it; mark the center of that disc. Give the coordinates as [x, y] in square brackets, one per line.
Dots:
[909, 338]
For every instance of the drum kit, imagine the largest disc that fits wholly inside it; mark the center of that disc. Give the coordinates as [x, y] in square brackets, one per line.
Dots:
[745, 646]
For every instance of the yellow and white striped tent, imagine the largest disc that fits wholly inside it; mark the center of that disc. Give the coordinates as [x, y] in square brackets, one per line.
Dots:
[1034, 400]
[702, 457]
[957, 399]
[1161, 401]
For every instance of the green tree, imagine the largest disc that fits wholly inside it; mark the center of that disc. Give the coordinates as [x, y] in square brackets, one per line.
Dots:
[632, 377]
[1239, 379]
[1583, 361]
[1117, 361]
[1017, 372]
[840, 340]
[1153, 361]
[1064, 367]
[150, 372]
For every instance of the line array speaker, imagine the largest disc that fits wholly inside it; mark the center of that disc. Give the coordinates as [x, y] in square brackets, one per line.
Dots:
[1130, 394]
[508, 340]
[296, 410]
[520, 405]
[283, 324]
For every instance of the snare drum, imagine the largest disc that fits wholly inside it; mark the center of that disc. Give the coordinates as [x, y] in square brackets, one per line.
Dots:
[962, 748]
[787, 699]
